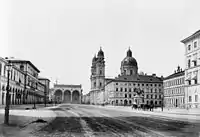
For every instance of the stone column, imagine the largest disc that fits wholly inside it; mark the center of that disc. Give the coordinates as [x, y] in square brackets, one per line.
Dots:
[71, 95]
[62, 96]
[80, 98]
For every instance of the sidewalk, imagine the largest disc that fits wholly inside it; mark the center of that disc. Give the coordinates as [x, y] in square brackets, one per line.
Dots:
[24, 106]
[21, 120]
[193, 114]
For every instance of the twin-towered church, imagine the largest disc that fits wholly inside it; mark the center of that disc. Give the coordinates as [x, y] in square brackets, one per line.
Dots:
[122, 89]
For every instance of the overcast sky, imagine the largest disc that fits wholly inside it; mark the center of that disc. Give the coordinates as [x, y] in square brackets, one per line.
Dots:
[60, 37]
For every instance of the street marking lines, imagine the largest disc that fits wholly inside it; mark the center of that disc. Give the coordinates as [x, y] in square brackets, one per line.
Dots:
[88, 131]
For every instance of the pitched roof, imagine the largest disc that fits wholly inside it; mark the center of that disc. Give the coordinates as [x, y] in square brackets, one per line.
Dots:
[139, 78]
[191, 36]
[178, 74]
[15, 60]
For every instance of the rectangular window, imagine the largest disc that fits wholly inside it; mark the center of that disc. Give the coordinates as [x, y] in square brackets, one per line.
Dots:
[190, 98]
[189, 47]
[189, 82]
[195, 63]
[131, 72]
[196, 98]
[129, 89]
[189, 63]
[195, 81]
[125, 89]
[195, 44]
[116, 89]
[121, 89]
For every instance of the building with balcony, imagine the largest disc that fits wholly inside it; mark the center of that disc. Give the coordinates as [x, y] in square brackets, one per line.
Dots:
[174, 89]
[192, 70]
[122, 90]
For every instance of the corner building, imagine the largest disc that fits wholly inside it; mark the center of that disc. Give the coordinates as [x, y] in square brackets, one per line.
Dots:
[192, 71]
[122, 89]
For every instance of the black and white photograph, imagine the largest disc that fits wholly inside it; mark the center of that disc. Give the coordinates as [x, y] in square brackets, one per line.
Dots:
[99, 68]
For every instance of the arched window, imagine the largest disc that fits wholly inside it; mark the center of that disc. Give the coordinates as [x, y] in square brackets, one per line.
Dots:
[22, 67]
[131, 72]
[100, 72]
[125, 95]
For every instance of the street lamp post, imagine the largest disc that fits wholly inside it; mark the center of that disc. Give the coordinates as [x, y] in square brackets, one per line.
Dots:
[162, 102]
[6, 117]
[34, 107]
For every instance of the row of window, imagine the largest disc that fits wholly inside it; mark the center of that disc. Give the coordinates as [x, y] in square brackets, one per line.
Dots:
[174, 91]
[132, 95]
[195, 98]
[189, 82]
[14, 74]
[179, 81]
[175, 102]
[190, 64]
[133, 89]
[139, 84]
[194, 45]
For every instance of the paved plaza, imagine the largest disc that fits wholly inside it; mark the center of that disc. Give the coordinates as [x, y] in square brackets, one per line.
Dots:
[97, 121]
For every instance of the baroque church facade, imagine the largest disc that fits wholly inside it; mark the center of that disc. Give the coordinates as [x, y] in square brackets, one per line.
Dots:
[123, 89]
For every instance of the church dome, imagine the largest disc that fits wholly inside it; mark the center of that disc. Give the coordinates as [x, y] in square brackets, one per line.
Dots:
[129, 60]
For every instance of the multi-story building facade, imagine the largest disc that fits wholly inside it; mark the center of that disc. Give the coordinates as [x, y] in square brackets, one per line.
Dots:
[31, 92]
[174, 89]
[16, 83]
[192, 70]
[46, 82]
[122, 90]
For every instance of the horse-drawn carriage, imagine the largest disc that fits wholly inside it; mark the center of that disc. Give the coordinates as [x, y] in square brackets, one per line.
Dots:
[143, 106]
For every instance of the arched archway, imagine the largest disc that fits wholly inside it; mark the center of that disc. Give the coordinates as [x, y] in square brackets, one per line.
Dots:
[151, 102]
[67, 96]
[130, 102]
[125, 102]
[75, 97]
[58, 95]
